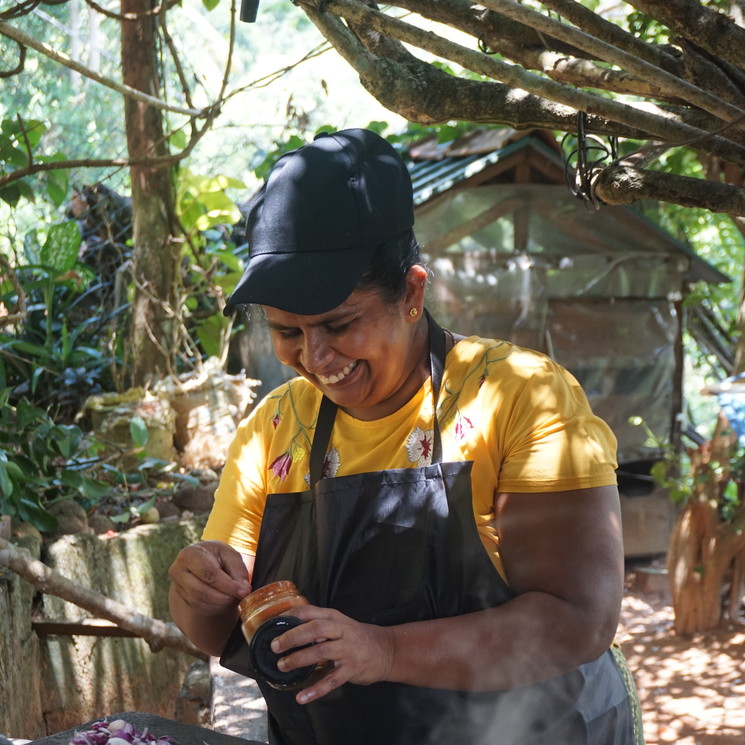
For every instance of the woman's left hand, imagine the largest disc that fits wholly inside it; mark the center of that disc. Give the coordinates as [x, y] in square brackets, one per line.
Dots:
[361, 653]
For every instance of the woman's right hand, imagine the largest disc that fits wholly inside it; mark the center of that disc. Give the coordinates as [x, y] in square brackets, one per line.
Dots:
[210, 577]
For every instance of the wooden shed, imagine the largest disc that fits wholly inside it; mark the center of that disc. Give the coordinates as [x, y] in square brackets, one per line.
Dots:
[515, 256]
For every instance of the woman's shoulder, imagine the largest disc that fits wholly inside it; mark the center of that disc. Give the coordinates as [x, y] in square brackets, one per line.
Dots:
[495, 356]
[296, 397]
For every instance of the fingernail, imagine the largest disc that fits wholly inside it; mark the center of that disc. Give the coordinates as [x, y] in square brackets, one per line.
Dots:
[281, 664]
[275, 646]
[304, 696]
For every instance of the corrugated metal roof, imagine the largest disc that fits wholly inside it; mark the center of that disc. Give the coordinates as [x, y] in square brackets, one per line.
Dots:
[432, 177]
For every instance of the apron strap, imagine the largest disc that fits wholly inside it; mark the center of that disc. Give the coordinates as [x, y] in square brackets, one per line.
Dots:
[327, 410]
[324, 425]
[436, 368]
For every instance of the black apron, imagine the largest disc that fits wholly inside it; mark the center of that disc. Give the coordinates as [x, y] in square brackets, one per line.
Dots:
[396, 546]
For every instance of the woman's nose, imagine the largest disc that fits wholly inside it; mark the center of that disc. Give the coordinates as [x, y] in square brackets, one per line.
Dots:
[316, 351]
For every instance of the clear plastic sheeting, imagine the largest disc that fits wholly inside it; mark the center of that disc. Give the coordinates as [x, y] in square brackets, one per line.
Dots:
[623, 352]
[596, 292]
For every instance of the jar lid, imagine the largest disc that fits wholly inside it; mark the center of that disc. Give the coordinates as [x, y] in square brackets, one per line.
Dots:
[265, 660]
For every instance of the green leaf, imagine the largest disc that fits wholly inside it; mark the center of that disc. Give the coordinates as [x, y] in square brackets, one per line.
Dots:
[93, 489]
[31, 246]
[178, 139]
[191, 480]
[146, 505]
[11, 194]
[67, 439]
[60, 252]
[85, 485]
[86, 274]
[28, 414]
[208, 333]
[32, 130]
[6, 485]
[56, 193]
[230, 260]
[35, 376]
[125, 517]
[138, 431]
[36, 515]
[151, 462]
[15, 156]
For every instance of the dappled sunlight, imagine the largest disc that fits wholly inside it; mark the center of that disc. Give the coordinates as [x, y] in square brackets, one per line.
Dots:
[692, 689]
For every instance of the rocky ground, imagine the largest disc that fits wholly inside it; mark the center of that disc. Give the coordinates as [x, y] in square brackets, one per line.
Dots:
[692, 690]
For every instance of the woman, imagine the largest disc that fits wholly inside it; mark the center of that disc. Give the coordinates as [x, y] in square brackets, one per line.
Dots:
[465, 569]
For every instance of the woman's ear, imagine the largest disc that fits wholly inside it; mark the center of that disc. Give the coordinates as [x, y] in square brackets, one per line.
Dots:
[416, 281]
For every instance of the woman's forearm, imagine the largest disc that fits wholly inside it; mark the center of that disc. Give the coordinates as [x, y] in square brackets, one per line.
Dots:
[532, 638]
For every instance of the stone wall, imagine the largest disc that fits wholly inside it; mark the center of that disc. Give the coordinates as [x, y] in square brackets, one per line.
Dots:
[52, 683]
[20, 654]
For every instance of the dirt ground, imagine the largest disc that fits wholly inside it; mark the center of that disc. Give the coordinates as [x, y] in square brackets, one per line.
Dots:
[692, 690]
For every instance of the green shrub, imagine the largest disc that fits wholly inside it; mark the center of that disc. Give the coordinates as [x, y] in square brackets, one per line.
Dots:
[42, 462]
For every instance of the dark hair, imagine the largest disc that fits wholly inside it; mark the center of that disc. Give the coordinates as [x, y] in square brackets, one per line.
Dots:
[386, 273]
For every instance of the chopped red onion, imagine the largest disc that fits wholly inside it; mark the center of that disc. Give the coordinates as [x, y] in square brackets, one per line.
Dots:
[118, 732]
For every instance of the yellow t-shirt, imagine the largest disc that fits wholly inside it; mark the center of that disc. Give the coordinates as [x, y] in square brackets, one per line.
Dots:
[522, 419]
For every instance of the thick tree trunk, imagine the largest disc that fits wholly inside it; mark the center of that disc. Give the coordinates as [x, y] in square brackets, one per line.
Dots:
[706, 552]
[154, 331]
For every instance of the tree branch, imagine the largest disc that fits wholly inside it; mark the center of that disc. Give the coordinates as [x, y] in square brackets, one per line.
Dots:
[707, 28]
[625, 184]
[671, 83]
[18, 69]
[594, 25]
[131, 16]
[660, 125]
[538, 51]
[422, 93]
[22, 38]
[491, 29]
[157, 634]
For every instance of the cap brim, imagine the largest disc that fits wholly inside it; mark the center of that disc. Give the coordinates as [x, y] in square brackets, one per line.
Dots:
[304, 283]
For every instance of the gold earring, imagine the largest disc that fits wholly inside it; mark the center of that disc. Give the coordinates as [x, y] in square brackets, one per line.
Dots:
[414, 312]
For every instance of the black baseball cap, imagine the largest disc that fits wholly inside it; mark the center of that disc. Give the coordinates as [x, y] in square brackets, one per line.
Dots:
[313, 227]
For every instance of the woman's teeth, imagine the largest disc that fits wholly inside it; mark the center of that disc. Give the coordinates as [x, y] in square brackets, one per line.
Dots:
[336, 378]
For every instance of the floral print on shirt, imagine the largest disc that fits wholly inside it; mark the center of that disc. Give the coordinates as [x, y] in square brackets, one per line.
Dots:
[330, 467]
[419, 447]
[301, 440]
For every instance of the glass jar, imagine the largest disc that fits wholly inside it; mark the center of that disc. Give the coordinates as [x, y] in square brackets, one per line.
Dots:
[267, 602]
[261, 622]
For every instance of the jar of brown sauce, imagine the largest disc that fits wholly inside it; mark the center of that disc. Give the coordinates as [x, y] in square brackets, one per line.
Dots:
[261, 623]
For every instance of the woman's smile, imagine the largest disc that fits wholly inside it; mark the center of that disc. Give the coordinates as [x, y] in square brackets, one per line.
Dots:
[339, 376]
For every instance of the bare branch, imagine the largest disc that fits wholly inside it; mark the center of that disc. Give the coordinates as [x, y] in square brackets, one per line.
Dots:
[707, 28]
[422, 93]
[13, 33]
[670, 82]
[659, 124]
[585, 74]
[57, 165]
[19, 67]
[157, 634]
[131, 16]
[594, 25]
[625, 184]
[491, 29]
